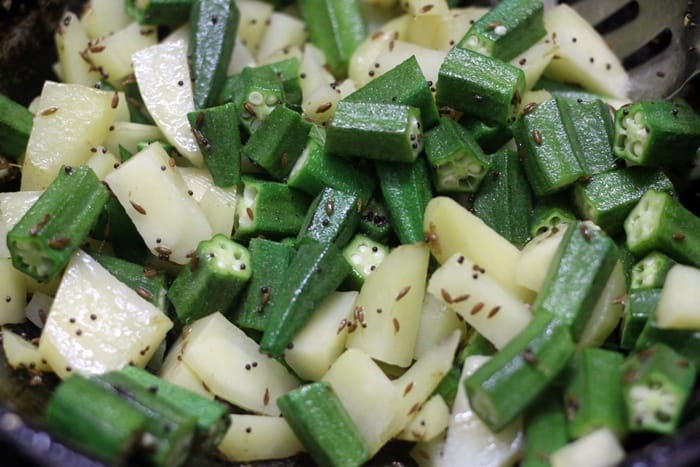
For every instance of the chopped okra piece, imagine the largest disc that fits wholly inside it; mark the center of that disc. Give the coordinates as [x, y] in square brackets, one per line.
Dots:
[315, 271]
[15, 125]
[363, 255]
[271, 209]
[332, 217]
[256, 92]
[149, 283]
[659, 222]
[530, 362]
[216, 274]
[45, 238]
[550, 160]
[685, 342]
[659, 133]
[458, 162]
[577, 275]
[404, 84]
[545, 426]
[114, 225]
[607, 198]
[656, 383]
[383, 131]
[323, 425]
[639, 307]
[288, 72]
[278, 142]
[550, 211]
[480, 86]
[504, 198]
[159, 12]
[490, 137]
[374, 221]
[269, 261]
[217, 132]
[507, 29]
[650, 271]
[213, 25]
[337, 27]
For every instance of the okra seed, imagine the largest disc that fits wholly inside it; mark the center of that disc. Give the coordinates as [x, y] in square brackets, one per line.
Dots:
[255, 98]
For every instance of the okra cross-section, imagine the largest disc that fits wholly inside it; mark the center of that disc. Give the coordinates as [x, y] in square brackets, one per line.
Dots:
[42, 242]
[381, 131]
[256, 92]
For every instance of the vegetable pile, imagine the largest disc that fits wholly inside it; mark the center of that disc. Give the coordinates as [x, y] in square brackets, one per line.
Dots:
[255, 229]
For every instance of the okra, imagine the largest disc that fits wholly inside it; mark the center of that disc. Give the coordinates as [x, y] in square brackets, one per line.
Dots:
[218, 264]
[639, 307]
[659, 222]
[607, 198]
[650, 271]
[404, 84]
[530, 362]
[278, 142]
[213, 25]
[218, 136]
[592, 395]
[115, 226]
[212, 417]
[169, 430]
[337, 27]
[323, 425]
[550, 211]
[489, 136]
[545, 428]
[659, 133]
[149, 283]
[685, 342]
[656, 383]
[332, 217]
[504, 199]
[507, 29]
[363, 255]
[287, 71]
[269, 261]
[15, 125]
[449, 385]
[159, 12]
[45, 238]
[481, 86]
[550, 160]
[477, 344]
[406, 191]
[256, 92]
[576, 276]
[374, 221]
[458, 163]
[95, 420]
[315, 271]
[270, 209]
[383, 131]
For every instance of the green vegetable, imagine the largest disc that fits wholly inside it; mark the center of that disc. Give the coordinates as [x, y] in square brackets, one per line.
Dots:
[650, 271]
[160, 12]
[639, 308]
[332, 217]
[15, 126]
[149, 283]
[363, 255]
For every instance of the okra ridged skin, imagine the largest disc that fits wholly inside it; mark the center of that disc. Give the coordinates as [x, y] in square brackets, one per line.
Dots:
[288, 72]
[114, 225]
[213, 26]
[332, 217]
[545, 426]
[149, 283]
[650, 272]
[685, 342]
[639, 307]
[159, 12]
[482, 86]
[529, 362]
[490, 137]
[256, 91]
[43, 241]
[657, 133]
[550, 211]
[507, 29]
[16, 123]
[218, 264]
[381, 131]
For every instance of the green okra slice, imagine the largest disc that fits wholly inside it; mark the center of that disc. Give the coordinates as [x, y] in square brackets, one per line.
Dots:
[607, 198]
[337, 27]
[659, 222]
[477, 344]
[363, 255]
[315, 271]
[529, 362]
[212, 417]
[576, 276]
[504, 198]
[590, 128]
[218, 136]
[316, 169]
[489, 136]
[374, 221]
[16, 123]
[383, 131]
[545, 426]
[114, 225]
[458, 163]
[592, 395]
[481, 86]
[639, 307]
[278, 142]
[449, 385]
[217, 273]
[658, 133]
[269, 209]
[685, 342]
[332, 217]
[288, 72]
[149, 283]
[550, 160]
[159, 12]
[404, 84]
[406, 191]
[256, 92]
[45, 238]
[656, 383]
[269, 262]
[97, 421]
[507, 29]
[213, 26]
[169, 430]
[650, 271]
[550, 211]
